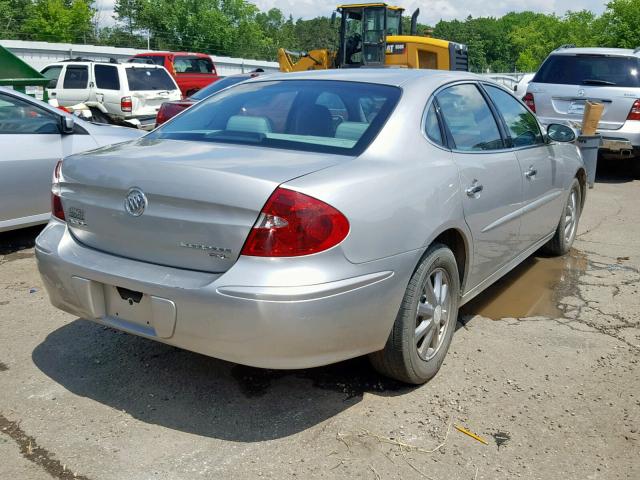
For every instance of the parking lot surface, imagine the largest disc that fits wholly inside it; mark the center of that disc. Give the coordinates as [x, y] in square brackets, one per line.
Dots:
[543, 367]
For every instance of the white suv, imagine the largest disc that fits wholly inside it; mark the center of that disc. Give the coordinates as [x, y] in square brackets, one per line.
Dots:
[570, 76]
[121, 93]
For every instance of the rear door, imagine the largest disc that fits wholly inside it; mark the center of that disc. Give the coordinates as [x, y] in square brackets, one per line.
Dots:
[565, 82]
[75, 85]
[107, 87]
[30, 143]
[541, 170]
[490, 178]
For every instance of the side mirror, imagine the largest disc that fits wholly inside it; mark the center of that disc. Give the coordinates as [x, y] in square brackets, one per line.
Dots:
[561, 133]
[333, 19]
[53, 83]
[67, 124]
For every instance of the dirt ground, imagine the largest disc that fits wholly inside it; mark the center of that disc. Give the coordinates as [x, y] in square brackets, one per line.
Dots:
[543, 367]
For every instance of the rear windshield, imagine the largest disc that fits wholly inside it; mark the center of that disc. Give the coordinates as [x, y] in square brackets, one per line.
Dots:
[217, 86]
[596, 70]
[192, 65]
[141, 78]
[310, 115]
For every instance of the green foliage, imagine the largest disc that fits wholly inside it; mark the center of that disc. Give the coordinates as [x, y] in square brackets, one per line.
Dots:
[516, 41]
[58, 20]
[620, 24]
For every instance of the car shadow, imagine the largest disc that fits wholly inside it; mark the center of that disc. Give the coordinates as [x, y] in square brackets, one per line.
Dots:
[615, 170]
[21, 239]
[185, 391]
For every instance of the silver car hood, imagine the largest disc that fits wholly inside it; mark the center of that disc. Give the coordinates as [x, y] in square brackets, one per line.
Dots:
[202, 198]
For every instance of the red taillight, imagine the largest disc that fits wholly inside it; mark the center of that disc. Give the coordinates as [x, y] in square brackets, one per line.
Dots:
[634, 113]
[126, 105]
[529, 101]
[56, 202]
[293, 224]
[169, 110]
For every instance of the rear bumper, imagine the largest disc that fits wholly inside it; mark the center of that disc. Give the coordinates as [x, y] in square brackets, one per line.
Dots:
[143, 122]
[231, 315]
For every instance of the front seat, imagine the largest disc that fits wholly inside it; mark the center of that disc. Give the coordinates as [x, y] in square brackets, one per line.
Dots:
[316, 121]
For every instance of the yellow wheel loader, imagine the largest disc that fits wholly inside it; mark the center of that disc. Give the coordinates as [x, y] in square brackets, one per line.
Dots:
[371, 36]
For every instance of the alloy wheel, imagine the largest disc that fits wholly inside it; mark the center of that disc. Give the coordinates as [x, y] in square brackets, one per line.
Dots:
[432, 314]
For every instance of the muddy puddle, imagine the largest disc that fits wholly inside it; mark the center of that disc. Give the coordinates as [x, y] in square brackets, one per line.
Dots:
[532, 289]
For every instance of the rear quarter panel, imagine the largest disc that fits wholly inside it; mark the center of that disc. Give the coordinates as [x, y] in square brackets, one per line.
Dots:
[398, 195]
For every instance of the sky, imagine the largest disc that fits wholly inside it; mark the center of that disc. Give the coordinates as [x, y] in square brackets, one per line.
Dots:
[430, 10]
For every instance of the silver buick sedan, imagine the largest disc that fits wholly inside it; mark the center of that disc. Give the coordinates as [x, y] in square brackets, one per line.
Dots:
[303, 219]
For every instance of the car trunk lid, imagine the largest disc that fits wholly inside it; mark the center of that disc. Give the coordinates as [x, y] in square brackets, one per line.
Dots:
[200, 199]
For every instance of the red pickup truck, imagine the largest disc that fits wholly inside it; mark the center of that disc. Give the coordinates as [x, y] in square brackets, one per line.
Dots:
[192, 71]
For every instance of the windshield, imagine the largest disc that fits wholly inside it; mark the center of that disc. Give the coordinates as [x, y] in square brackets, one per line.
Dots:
[309, 115]
[217, 86]
[596, 70]
[149, 79]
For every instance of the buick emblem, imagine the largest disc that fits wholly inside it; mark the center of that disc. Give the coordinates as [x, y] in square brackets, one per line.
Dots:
[581, 92]
[135, 202]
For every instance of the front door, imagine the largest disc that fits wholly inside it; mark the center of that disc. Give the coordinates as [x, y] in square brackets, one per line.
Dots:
[541, 175]
[490, 178]
[30, 142]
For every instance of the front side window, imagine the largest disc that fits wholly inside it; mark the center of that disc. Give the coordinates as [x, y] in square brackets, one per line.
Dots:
[20, 117]
[76, 76]
[107, 77]
[521, 124]
[192, 65]
[288, 114]
[469, 118]
[141, 78]
[52, 74]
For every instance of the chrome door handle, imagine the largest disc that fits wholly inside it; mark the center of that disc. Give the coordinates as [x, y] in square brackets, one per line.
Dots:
[532, 172]
[474, 189]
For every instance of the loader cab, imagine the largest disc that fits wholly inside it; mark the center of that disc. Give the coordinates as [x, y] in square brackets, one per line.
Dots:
[363, 33]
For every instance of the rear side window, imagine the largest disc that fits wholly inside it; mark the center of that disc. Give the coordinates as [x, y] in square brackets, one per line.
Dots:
[76, 76]
[52, 73]
[469, 119]
[150, 60]
[192, 65]
[521, 124]
[107, 77]
[149, 79]
[597, 70]
[432, 125]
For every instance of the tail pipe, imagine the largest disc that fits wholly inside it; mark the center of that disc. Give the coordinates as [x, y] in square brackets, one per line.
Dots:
[626, 153]
[414, 22]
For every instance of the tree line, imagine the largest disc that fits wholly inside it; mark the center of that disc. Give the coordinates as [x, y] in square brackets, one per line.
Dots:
[514, 42]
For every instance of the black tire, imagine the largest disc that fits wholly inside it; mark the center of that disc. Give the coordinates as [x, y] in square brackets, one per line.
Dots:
[98, 117]
[560, 244]
[400, 358]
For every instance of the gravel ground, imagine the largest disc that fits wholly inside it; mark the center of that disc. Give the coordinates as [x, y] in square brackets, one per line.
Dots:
[554, 393]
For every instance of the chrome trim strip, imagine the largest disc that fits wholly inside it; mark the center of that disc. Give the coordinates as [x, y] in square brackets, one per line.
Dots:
[305, 292]
[522, 210]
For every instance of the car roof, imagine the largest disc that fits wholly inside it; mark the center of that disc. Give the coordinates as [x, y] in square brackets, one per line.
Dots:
[619, 52]
[175, 54]
[385, 76]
